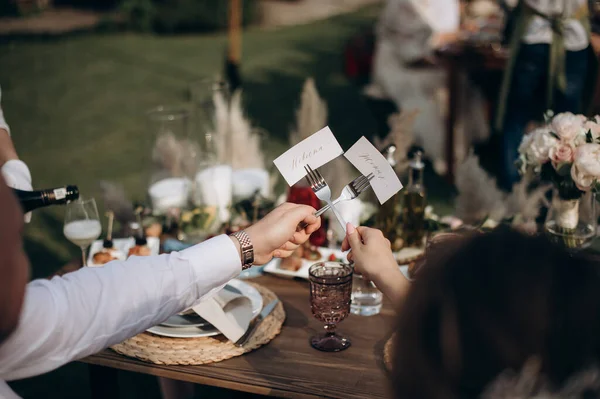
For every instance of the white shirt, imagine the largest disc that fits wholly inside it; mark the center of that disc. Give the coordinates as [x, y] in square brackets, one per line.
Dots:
[71, 317]
[408, 26]
[540, 30]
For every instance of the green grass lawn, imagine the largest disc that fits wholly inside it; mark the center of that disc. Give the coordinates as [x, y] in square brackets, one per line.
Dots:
[76, 108]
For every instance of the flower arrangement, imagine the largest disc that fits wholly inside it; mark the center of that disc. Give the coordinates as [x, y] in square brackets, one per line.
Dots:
[566, 152]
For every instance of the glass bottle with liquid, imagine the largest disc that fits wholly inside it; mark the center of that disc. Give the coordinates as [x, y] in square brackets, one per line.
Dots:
[388, 216]
[415, 201]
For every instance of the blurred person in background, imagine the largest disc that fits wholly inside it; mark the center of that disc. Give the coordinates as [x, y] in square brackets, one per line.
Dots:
[15, 172]
[551, 67]
[404, 70]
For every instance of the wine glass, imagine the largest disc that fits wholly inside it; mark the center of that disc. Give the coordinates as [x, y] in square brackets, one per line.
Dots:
[330, 297]
[82, 224]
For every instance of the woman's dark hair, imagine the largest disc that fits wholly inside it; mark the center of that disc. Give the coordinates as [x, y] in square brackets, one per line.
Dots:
[490, 304]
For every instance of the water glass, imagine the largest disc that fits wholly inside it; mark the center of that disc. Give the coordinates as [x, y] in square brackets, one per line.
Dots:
[169, 120]
[330, 296]
[366, 298]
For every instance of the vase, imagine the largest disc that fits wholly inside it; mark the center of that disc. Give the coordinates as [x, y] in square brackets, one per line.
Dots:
[572, 222]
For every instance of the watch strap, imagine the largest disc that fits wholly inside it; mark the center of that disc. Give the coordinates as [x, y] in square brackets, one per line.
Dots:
[246, 247]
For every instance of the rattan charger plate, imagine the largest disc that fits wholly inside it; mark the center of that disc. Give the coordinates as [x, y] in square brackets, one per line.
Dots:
[192, 351]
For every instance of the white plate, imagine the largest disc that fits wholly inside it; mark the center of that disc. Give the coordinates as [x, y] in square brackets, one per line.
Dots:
[122, 245]
[208, 330]
[273, 266]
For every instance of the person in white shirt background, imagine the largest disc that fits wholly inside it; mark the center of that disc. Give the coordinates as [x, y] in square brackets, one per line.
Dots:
[45, 324]
[404, 71]
[15, 172]
[549, 69]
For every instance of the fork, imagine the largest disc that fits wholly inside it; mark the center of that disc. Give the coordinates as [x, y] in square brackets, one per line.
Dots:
[351, 191]
[322, 191]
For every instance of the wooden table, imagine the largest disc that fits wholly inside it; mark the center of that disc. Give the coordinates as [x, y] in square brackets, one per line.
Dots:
[288, 366]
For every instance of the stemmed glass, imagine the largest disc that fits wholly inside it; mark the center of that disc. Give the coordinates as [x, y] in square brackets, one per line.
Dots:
[330, 297]
[82, 224]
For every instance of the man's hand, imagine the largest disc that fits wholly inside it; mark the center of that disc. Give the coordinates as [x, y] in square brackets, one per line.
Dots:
[17, 175]
[275, 235]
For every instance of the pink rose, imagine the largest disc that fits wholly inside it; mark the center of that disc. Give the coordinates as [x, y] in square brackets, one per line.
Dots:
[586, 166]
[568, 126]
[561, 154]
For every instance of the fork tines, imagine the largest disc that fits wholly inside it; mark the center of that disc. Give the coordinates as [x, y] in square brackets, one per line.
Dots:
[360, 184]
[315, 179]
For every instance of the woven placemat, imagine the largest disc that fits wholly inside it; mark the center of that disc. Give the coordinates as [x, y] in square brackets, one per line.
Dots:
[189, 351]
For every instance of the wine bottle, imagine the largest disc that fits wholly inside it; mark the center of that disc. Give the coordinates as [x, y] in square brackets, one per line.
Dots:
[31, 200]
[415, 201]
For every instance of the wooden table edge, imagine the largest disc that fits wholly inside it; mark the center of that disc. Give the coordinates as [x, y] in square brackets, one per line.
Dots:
[159, 370]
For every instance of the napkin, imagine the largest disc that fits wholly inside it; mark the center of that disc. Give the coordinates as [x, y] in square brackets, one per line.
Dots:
[169, 193]
[213, 188]
[351, 212]
[228, 311]
[248, 181]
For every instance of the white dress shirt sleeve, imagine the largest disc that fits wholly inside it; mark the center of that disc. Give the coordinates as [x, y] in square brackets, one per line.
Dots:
[81, 313]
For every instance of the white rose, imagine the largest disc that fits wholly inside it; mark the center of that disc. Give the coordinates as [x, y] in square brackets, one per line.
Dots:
[586, 167]
[589, 127]
[536, 146]
[568, 126]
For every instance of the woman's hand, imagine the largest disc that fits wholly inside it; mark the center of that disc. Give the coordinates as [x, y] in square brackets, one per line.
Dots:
[371, 251]
[275, 235]
[373, 258]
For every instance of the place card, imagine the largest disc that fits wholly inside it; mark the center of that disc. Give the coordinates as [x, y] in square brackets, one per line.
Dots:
[315, 151]
[367, 159]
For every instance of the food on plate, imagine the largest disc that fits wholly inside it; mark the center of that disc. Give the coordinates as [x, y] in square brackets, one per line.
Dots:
[141, 247]
[292, 263]
[104, 256]
[333, 258]
[108, 252]
[153, 230]
[310, 252]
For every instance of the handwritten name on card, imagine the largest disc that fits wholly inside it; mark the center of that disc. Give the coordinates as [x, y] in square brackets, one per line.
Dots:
[316, 150]
[367, 159]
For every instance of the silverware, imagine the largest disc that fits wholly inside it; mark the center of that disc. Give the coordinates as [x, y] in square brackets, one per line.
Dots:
[256, 322]
[322, 191]
[349, 192]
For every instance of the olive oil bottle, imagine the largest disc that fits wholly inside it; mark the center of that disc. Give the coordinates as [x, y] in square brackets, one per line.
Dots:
[413, 208]
[388, 216]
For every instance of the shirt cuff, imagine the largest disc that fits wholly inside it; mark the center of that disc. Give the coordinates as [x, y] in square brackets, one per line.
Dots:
[216, 260]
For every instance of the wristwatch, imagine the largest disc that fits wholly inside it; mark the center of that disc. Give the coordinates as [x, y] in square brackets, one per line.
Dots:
[247, 248]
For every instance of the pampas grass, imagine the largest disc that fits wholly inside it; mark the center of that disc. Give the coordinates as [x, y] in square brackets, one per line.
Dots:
[167, 154]
[478, 198]
[114, 199]
[401, 135]
[246, 151]
[524, 202]
[311, 116]
[236, 142]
